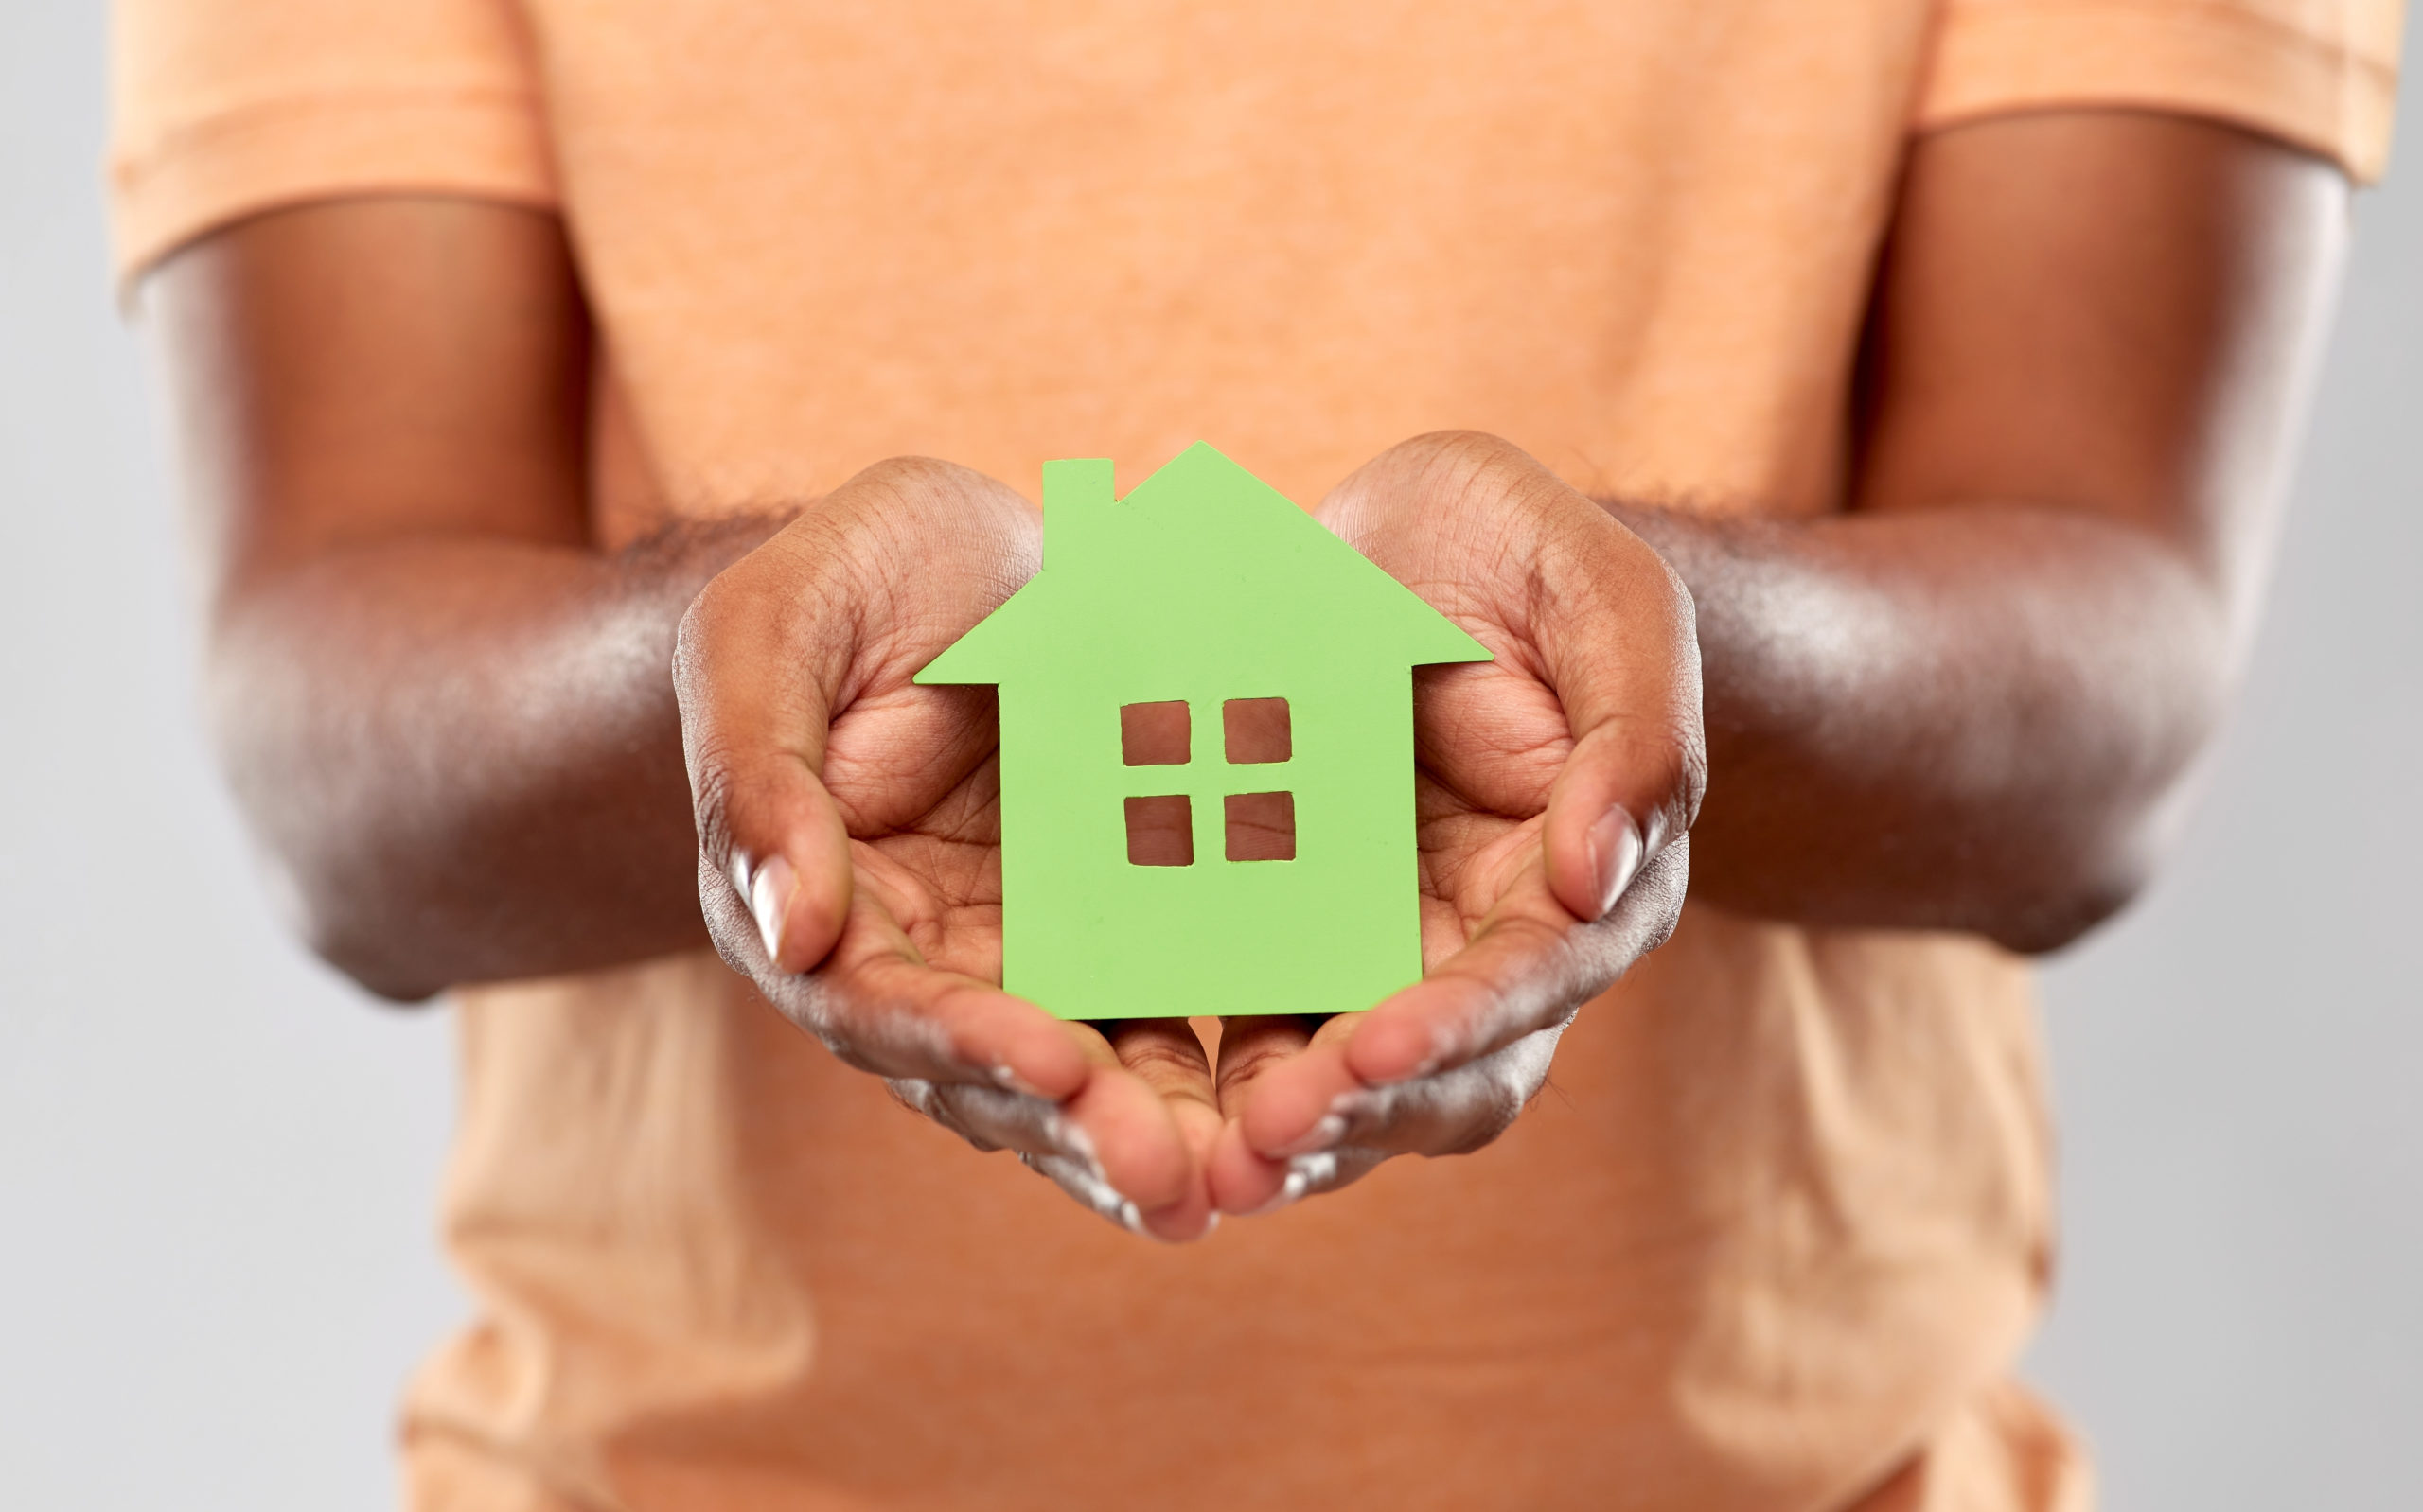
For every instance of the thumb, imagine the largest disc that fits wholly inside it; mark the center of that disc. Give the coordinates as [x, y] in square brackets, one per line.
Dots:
[767, 827]
[1619, 646]
[1614, 807]
[753, 727]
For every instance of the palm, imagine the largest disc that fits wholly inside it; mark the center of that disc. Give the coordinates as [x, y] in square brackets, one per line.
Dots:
[850, 828]
[850, 839]
[1546, 782]
[914, 774]
[1489, 740]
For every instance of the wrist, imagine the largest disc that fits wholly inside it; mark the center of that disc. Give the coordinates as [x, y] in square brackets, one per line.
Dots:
[682, 556]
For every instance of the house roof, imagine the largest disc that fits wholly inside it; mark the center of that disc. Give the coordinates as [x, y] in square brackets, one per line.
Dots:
[1201, 567]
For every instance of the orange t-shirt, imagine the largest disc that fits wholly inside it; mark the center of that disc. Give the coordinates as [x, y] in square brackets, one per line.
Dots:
[1773, 1235]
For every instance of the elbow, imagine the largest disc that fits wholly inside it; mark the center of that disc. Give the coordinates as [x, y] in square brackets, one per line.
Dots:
[2095, 844]
[375, 971]
[343, 917]
[2054, 918]
[332, 869]
[2090, 881]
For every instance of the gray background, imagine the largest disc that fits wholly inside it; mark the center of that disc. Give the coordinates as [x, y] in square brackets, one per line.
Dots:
[218, 1161]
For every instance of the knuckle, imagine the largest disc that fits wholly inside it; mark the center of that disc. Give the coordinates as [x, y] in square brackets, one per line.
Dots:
[1478, 467]
[910, 473]
[900, 491]
[1459, 448]
[724, 609]
[692, 638]
[1083, 1182]
[842, 1048]
[1527, 937]
[932, 1102]
[713, 799]
[1662, 887]
[807, 1002]
[810, 1000]
[1501, 1085]
[1157, 1059]
[734, 940]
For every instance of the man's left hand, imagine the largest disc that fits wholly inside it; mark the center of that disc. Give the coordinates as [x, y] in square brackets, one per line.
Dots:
[1556, 787]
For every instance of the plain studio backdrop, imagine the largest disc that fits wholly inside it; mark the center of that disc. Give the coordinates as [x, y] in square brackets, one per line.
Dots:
[218, 1161]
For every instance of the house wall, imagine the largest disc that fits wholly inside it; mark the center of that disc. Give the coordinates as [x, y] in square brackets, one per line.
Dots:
[1089, 935]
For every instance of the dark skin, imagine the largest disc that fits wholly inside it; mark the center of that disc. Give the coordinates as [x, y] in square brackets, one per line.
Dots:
[442, 706]
[2089, 345]
[1972, 701]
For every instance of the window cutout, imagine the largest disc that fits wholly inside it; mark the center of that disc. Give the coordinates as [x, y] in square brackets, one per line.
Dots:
[1256, 730]
[1154, 734]
[1261, 826]
[1161, 831]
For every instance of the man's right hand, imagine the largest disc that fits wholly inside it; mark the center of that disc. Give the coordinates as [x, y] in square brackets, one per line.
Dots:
[849, 831]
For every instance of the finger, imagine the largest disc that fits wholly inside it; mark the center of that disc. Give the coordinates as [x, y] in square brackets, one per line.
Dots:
[1141, 1152]
[1618, 799]
[1245, 1183]
[1168, 1056]
[1118, 1147]
[1452, 1113]
[878, 1008]
[753, 723]
[1251, 1044]
[1585, 606]
[1615, 633]
[1239, 1180]
[994, 1118]
[1288, 1107]
[1524, 973]
[895, 1016]
[1004, 1073]
[1527, 967]
[844, 600]
[1049, 1139]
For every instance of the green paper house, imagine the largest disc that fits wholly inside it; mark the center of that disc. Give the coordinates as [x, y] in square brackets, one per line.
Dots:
[1207, 752]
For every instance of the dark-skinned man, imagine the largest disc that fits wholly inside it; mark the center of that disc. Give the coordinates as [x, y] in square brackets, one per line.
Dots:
[1857, 432]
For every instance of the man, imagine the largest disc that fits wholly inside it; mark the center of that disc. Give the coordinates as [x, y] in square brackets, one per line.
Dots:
[1878, 412]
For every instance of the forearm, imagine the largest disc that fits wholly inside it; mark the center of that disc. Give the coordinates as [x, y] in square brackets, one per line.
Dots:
[462, 756]
[1971, 719]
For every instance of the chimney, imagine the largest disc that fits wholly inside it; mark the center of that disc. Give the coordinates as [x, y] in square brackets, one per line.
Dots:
[1076, 510]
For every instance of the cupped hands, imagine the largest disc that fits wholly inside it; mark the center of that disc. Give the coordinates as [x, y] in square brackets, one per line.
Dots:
[849, 833]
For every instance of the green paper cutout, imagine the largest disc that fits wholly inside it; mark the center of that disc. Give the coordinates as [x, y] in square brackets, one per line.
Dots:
[1204, 584]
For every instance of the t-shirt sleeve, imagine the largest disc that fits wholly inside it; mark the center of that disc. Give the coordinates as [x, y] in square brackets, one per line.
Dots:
[2320, 74]
[223, 107]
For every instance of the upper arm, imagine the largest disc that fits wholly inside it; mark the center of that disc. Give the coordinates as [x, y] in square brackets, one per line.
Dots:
[360, 370]
[2108, 312]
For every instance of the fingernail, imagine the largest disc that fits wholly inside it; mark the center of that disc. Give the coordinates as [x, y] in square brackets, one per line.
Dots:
[1331, 1129]
[1141, 1223]
[1615, 855]
[1014, 1081]
[1285, 1196]
[1303, 1174]
[769, 901]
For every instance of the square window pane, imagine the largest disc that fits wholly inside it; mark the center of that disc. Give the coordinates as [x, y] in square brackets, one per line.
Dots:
[1256, 729]
[1154, 734]
[1160, 832]
[1261, 826]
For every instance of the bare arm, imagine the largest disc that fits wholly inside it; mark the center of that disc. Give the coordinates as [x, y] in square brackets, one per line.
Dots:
[1973, 701]
[445, 710]
[451, 719]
